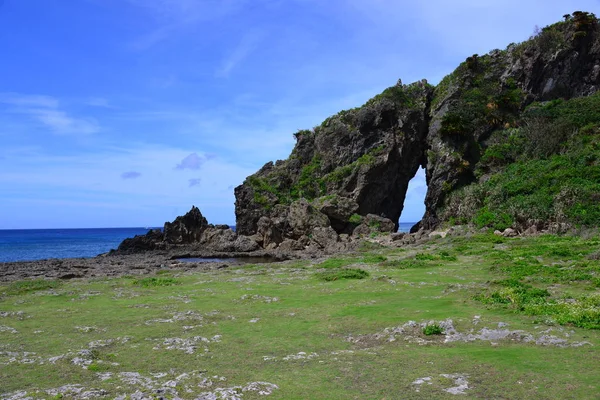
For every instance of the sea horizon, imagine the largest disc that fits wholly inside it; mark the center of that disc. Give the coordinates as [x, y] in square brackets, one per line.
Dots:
[33, 244]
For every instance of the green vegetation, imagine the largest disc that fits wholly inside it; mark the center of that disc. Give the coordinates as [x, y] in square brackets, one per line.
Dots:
[433, 329]
[20, 287]
[155, 281]
[344, 273]
[299, 325]
[546, 170]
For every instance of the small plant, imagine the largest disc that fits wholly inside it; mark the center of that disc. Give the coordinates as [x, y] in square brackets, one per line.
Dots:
[96, 367]
[433, 329]
[355, 219]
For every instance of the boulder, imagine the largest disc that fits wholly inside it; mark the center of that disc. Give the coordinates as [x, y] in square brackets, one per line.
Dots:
[303, 218]
[339, 210]
[226, 240]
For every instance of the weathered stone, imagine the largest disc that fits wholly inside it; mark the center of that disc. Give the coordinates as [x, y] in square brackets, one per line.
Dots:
[268, 232]
[187, 228]
[325, 237]
[226, 240]
[141, 243]
[290, 245]
[374, 223]
[303, 218]
[397, 236]
[339, 210]
[509, 232]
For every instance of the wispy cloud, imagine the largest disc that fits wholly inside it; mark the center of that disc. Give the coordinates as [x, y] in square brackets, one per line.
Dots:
[130, 175]
[246, 46]
[175, 16]
[46, 110]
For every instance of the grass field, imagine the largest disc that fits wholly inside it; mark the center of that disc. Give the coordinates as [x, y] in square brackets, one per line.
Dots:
[479, 317]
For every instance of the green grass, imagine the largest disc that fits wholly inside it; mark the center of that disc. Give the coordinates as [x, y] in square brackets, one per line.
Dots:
[155, 281]
[290, 325]
[344, 273]
[20, 287]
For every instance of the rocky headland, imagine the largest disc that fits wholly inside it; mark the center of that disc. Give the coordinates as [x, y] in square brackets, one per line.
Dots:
[521, 113]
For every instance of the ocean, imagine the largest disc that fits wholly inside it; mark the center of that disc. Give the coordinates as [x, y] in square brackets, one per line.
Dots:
[39, 244]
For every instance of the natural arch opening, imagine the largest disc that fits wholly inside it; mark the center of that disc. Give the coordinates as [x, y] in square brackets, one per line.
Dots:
[414, 202]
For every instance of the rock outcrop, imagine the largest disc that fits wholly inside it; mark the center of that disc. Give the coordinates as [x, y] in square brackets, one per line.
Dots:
[357, 162]
[364, 158]
[186, 229]
[487, 93]
[189, 229]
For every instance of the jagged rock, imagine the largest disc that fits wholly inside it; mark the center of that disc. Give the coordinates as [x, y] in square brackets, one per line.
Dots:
[141, 243]
[367, 155]
[191, 228]
[187, 228]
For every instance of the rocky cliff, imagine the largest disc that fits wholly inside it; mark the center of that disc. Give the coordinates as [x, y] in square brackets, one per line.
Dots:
[510, 139]
[359, 162]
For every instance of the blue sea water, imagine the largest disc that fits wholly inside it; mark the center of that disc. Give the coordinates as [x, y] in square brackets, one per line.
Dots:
[405, 226]
[38, 244]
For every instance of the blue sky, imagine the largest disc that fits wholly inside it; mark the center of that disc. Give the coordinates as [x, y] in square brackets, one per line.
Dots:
[128, 112]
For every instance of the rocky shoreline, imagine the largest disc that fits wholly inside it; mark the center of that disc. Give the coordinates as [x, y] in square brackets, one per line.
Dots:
[190, 237]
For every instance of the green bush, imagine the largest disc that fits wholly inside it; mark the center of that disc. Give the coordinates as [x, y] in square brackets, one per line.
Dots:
[433, 329]
[355, 219]
[344, 273]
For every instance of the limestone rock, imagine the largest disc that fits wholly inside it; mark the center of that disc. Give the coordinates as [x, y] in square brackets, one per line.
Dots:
[185, 229]
[364, 156]
[303, 218]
